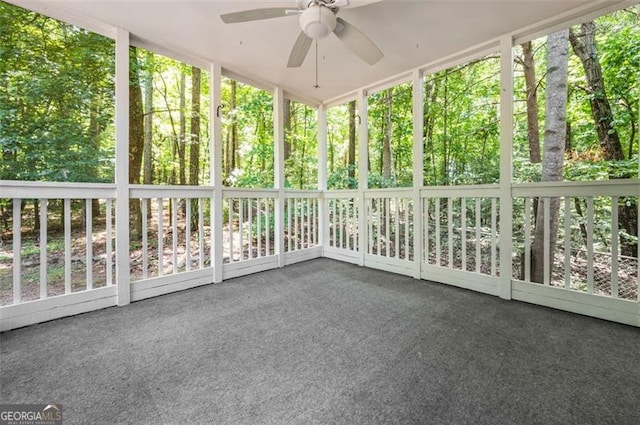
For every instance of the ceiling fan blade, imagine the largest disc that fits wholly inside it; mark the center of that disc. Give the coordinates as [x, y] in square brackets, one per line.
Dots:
[359, 43]
[255, 15]
[299, 50]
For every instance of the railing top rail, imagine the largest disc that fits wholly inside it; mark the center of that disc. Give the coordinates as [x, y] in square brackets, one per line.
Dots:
[169, 191]
[302, 193]
[616, 187]
[232, 192]
[340, 193]
[466, 191]
[55, 190]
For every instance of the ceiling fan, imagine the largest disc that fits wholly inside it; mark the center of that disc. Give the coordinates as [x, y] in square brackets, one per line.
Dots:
[318, 18]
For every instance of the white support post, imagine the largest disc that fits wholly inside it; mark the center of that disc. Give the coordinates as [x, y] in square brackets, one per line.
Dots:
[323, 207]
[363, 172]
[278, 169]
[418, 170]
[506, 169]
[215, 172]
[122, 168]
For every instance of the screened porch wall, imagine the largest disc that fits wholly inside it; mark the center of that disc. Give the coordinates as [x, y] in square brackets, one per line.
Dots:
[191, 236]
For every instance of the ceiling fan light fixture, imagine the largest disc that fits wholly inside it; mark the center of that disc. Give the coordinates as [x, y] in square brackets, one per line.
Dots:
[317, 21]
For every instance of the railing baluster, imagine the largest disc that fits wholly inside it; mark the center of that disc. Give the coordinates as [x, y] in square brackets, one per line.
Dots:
[527, 239]
[385, 209]
[241, 227]
[463, 232]
[109, 242]
[547, 238]
[88, 245]
[67, 246]
[567, 242]
[145, 238]
[408, 218]
[296, 225]
[268, 225]
[160, 236]
[17, 250]
[369, 212]
[341, 221]
[201, 232]
[43, 249]
[250, 224]
[437, 230]
[614, 247]
[396, 219]
[494, 225]
[450, 231]
[187, 236]
[174, 234]
[425, 226]
[231, 232]
[590, 244]
[478, 234]
[309, 215]
[259, 214]
[289, 225]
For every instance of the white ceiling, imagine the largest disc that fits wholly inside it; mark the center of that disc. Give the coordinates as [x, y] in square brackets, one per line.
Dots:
[411, 33]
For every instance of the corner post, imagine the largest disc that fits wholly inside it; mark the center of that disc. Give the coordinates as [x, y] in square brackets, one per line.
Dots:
[363, 174]
[323, 210]
[122, 168]
[215, 171]
[278, 169]
[506, 166]
[418, 170]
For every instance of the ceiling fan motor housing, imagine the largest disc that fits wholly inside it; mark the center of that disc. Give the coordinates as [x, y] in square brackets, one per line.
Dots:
[317, 21]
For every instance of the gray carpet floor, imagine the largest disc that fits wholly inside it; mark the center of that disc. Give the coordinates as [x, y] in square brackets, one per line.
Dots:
[323, 342]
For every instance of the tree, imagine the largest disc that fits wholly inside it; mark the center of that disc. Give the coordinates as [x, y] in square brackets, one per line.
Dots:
[533, 132]
[583, 43]
[136, 136]
[351, 155]
[554, 141]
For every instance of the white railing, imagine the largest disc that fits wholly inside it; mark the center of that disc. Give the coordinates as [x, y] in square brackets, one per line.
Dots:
[62, 240]
[249, 230]
[301, 220]
[390, 220]
[64, 244]
[461, 228]
[589, 255]
[175, 230]
[342, 232]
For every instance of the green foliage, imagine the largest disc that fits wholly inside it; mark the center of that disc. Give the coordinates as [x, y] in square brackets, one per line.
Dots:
[252, 117]
[301, 163]
[340, 175]
[618, 52]
[56, 100]
[391, 118]
[461, 118]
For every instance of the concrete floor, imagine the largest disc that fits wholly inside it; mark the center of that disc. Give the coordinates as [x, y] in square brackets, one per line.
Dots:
[331, 343]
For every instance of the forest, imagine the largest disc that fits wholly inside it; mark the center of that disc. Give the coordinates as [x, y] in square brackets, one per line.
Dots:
[576, 115]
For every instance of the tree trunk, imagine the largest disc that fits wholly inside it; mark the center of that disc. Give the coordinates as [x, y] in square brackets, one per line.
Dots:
[533, 131]
[182, 139]
[233, 153]
[554, 140]
[584, 46]
[136, 139]
[351, 151]
[194, 141]
[287, 129]
[148, 118]
[387, 160]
